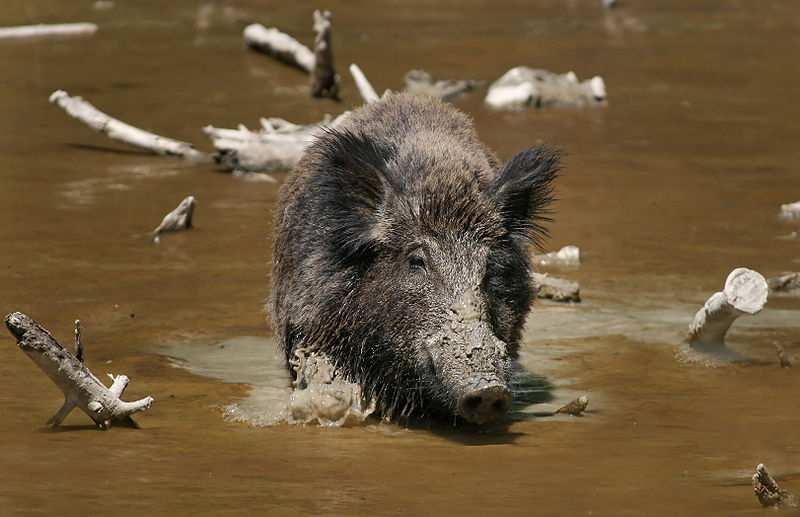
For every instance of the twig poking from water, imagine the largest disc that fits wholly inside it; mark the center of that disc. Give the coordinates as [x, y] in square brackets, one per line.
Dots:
[324, 79]
[768, 492]
[364, 87]
[178, 219]
[574, 408]
[35, 31]
[115, 129]
[78, 344]
[745, 292]
[81, 388]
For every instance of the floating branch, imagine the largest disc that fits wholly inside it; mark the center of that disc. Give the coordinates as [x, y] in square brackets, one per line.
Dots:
[364, 87]
[568, 256]
[277, 146]
[787, 284]
[178, 219]
[279, 45]
[523, 87]
[80, 109]
[768, 492]
[324, 79]
[745, 292]
[34, 31]
[420, 82]
[284, 48]
[556, 289]
[81, 388]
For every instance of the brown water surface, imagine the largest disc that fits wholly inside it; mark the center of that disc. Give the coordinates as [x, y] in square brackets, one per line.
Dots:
[666, 190]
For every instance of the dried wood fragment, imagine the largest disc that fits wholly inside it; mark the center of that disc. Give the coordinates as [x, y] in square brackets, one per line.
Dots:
[280, 46]
[788, 284]
[115, 129]
[364, 87]
[768, 492]
[523, 87]
[179, 219]
[41, 30]
[556, 289]
[324, 79]
[745, 292]
[81, 388]
[790, 211]
[420, 82]
[568, 256]
[574, 408]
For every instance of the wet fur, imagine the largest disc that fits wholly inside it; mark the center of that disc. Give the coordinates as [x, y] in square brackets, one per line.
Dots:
[398, 172]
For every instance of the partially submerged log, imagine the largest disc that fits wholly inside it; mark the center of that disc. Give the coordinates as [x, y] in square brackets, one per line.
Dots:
[178, 219]
[556, 289]
[420, 82]
[523, 87]
[364, 87]
[790, 211]
[81, 388]
[60, 29]
[278, 145]
[115, 129]
[769, 493]
[568, 256]
[745, 292]
[786, 284]
[284, 48]
[324, 79]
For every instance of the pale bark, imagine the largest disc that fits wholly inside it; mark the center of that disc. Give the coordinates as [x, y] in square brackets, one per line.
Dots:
[420, 82]
[523, 87]
[556, 289]
[364, 87]
[80, 387]
[745, 292]
[82, 110]
[179, 219]
[568, 256]
[324, 79]
[791, 211]
[279, 45]
[768, 492]
[278, 145]
[34, 31]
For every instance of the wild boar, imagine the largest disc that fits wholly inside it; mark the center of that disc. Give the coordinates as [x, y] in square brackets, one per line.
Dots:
[401, 255]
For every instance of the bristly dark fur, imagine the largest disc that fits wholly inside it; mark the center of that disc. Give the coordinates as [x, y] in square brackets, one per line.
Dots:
[401, 176]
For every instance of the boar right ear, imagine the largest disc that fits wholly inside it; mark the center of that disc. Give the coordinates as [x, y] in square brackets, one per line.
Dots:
[523, 190]
[354, 185]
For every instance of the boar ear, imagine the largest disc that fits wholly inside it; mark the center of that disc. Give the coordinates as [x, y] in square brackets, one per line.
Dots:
[355, 186]
[523, 191]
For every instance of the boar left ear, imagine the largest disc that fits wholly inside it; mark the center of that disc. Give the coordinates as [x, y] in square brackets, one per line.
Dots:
[355, 185]
[523, 190]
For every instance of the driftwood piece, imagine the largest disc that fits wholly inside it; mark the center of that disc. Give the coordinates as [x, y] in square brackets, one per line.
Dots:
[786, 284]
[35, 31]
[178, 219]
[324, 79]
[279, 45]
[420, 82]
[81, 388]
[278, 145]
[556, 289]
[522, 87]
[574, 408]
[790, 211]
[364, 87]
[769, 494]
[82, 110]
[568, 256]
[745, 292]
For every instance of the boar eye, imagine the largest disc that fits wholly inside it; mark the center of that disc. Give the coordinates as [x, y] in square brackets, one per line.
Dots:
[416, 262]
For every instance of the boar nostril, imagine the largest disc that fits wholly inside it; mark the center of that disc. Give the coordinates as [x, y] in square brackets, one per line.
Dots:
[472, 402]
[500, 405]
[484, 404]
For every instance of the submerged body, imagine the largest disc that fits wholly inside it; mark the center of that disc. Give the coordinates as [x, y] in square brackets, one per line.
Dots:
[401, 255]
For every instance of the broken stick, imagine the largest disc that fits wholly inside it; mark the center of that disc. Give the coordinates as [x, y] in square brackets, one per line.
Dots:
[364, 87]
[115, 129]
[324, 79]
[59, 29]
[745, 292]
[768, 492]
[178, 219]
[81, 388]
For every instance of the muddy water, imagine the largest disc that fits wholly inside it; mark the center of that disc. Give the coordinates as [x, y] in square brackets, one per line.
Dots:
[673, 185]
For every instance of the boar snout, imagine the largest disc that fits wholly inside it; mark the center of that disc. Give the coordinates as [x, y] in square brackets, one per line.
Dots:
[484, 403]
